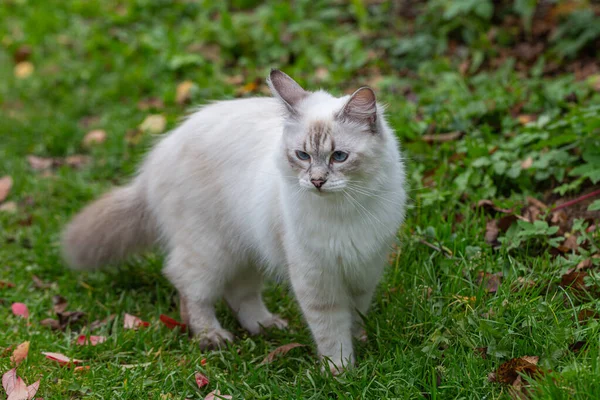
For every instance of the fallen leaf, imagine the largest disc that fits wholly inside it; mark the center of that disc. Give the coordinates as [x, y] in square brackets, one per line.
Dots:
[101, 322]
[20, 309]
[92, 340]
[532, 201]
[491, 208]
[527, 163]
[481, 352]
[61, 359]
[6, 183]
[59, 303]
[6, 284]
[24, 69]
[39, 163]
[154, 124]
[76, 161]
[20, 353]
[133, 322]
[171, 323]
[586, 314]
[22, 54]
[203, 361]
[15, 387]
[442, 137]
[216, 395]
[524, 119]
[280, 351]
[81, 368]
[51, 323]
[184, 92]
[569, 244]
[575, 347]
[201, 380]
[150, 103]
[508, 372]
[490, 281]
[96, 136]
[492, 232]
[9, 207]
[40, 284]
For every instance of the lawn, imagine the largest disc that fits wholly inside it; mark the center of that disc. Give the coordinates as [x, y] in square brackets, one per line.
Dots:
[498, 114]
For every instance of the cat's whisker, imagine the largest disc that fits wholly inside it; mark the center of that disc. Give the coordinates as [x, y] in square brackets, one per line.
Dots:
[365, 209]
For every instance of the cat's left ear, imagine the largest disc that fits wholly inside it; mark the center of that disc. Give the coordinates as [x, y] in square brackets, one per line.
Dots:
[361, 108]
[286, 89]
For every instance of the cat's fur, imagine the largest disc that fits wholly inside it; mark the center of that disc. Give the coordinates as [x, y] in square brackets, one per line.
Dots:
[230, 201]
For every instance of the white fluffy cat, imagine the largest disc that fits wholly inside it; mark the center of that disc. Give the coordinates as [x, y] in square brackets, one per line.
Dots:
[304, 186]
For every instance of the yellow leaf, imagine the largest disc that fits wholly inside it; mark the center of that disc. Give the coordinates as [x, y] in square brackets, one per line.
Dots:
[24, 69]
[154, 124]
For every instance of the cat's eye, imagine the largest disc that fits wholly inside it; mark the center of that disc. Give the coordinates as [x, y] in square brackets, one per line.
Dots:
[339, 156]
[302, 155]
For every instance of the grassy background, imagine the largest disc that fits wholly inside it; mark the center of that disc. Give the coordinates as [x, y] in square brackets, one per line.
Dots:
[97, 63]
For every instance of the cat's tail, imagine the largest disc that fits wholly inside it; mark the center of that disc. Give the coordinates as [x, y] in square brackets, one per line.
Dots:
[108, 230]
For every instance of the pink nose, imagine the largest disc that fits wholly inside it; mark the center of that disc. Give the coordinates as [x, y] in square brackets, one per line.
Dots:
[318, 183]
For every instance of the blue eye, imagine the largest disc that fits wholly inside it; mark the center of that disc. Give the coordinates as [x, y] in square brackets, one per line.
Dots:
[302, 155]
[339, 156]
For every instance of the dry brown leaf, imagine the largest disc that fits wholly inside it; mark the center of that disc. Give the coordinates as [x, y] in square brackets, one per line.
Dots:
[40, 284]
[280, 351]
[94, 137]
[20, 353]
[491, 208]
[508, 372]
[6, 183]
[569, 244]
[22, 54]
[184, 92]
[6, 284]
[24, 69]
[442, 137]
[490, 281]
[59, 303]
[150, 103]
[492, 232]
[154, 124]
[101, 322]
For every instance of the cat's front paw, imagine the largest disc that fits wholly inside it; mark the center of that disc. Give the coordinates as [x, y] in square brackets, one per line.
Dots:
[275, 321]
[336, 367]
[214, 338]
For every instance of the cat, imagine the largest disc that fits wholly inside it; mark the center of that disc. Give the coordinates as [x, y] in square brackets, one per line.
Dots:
[302, 186]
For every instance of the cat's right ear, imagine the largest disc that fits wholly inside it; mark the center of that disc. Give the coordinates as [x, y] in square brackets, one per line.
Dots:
[286, 90]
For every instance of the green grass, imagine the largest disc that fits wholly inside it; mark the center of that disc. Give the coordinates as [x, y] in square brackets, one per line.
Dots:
[101, 58]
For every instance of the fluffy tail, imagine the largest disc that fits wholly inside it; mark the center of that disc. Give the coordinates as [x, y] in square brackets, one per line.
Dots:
[108, 230]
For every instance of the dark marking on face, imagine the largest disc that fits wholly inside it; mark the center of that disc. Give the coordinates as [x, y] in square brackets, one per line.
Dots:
[319, 136]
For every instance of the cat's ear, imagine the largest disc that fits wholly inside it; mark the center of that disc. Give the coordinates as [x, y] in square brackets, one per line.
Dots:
[361, 108]
[286, 89]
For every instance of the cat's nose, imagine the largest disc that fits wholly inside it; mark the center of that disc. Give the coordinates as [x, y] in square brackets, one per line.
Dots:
[318, 182]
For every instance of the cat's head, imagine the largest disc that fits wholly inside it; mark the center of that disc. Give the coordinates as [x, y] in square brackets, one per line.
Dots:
[329, 143]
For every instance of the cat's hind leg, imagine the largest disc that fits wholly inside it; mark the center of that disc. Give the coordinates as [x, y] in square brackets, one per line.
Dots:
[243, 294]
[200, 280]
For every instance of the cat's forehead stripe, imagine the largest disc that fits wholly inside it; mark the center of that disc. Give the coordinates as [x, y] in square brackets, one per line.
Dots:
[319, 133]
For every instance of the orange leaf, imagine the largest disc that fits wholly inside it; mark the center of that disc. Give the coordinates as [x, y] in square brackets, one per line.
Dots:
[171, 323]
[20, 309]
[280, 351]
[133, 322]
[20, 353]
[61, 359]
[201, 380]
